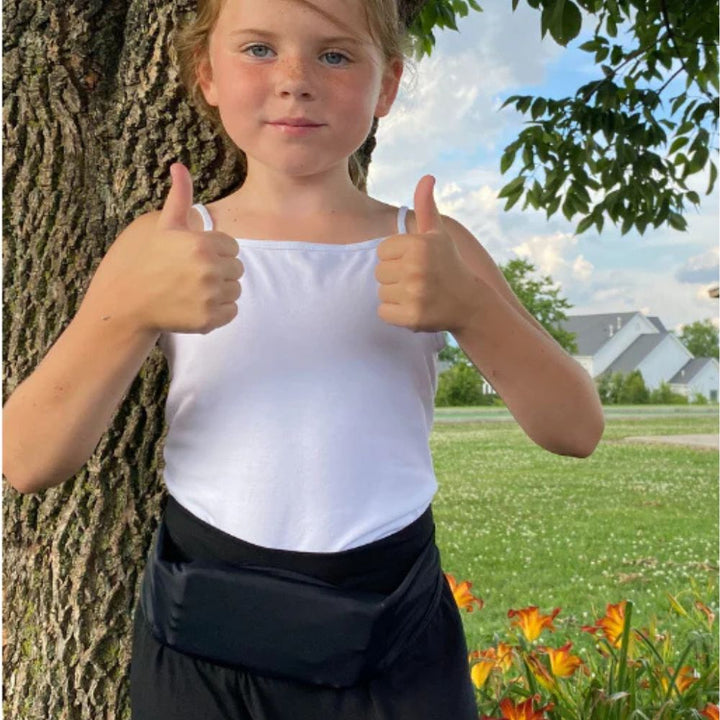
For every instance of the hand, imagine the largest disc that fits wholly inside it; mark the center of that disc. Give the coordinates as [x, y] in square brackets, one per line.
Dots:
[424, 284]
[167, 277]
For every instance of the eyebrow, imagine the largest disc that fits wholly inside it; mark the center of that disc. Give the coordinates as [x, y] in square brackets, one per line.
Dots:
[271, 35]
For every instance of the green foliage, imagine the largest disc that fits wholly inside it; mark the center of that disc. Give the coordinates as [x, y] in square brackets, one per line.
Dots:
[634, 135]
[541, 298]
[700, 338]
[440, 14]
[453, 355]
[629, 389]
[663, 395]
[634, 391]
[461, 384]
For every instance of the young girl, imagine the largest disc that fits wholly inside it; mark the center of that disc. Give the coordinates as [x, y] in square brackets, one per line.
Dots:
[295, 573]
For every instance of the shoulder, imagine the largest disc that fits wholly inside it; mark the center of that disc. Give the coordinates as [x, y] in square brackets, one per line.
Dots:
[147, 221]
[470, 248]
[143, 222]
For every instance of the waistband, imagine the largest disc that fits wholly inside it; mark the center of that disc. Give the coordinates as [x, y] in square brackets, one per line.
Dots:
[379, 566]
[278, 621]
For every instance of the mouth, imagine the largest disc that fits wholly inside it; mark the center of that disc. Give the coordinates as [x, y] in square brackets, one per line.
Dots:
[294, 127]
[295, 122]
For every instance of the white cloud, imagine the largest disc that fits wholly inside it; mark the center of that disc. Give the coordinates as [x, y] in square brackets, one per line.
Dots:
[701, 268]
[449, 106]
[447, 122]
[554, 255]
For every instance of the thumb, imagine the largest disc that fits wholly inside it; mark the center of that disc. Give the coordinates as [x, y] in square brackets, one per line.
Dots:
[179, 200]
[426, 212]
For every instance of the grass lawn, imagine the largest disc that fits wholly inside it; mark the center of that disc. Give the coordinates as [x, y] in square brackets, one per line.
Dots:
[530, 528]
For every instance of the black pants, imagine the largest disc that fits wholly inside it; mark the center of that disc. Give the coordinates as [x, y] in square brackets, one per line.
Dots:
[430, 679]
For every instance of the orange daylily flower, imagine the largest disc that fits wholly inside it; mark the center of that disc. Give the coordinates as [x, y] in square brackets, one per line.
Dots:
[685, 678]
[504, 656]
[480, 671]
[710, 711]
[562, 663]
[500, 657]
[612, 624]
[541, 673]
[705, 610]
[463, 597]
[531, 622]
[523, 710]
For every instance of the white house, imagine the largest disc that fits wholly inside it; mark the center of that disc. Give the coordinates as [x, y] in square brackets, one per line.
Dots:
[699, 376]
[623, 342]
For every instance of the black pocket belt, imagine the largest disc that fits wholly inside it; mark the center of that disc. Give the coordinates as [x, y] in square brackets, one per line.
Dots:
[284, 624]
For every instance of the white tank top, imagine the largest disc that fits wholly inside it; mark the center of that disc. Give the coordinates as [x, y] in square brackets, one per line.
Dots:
[303, 424]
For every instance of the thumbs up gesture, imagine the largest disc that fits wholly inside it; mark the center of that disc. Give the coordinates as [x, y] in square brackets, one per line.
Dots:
[423, 282]
[163, 276]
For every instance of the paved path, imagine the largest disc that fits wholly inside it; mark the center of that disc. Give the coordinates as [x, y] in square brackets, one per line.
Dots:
[499, 414]
[701, 441]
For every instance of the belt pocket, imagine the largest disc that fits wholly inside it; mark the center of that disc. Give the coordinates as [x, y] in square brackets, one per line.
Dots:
[277, 622]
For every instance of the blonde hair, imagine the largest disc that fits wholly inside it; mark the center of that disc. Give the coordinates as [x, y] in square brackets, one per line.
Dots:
[190, 42]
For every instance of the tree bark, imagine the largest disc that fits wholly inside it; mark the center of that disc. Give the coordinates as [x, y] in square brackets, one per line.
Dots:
[94, 116]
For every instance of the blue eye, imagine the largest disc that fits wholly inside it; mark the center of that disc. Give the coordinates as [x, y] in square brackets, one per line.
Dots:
[252, 48]
[338, 56]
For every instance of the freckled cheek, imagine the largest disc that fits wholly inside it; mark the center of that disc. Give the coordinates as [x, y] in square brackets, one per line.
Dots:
[240, 83]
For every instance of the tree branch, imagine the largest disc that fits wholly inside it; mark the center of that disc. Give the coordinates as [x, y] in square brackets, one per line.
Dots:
[666, 21]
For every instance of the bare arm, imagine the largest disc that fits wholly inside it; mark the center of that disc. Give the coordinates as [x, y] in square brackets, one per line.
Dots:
[162, 273]
[56, 417]
[548, 392]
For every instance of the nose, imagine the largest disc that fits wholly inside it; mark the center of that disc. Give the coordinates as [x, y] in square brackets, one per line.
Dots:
[294, 78]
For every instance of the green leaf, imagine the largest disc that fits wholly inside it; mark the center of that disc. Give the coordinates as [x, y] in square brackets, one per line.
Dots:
[538, 108]
[698, 160]
[512, 187]
[523, 103]
[570, 24]
[611, 26]
[678, 103]
[677, 221]
[584, 224]
[528, 156]
[627, 224]
[507, 159]
[512, 199]
[713, 177]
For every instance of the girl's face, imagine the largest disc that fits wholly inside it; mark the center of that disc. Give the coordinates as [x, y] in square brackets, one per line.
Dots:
[275, 63]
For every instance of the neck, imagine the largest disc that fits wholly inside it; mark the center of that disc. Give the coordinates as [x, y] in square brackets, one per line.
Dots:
[301, 196]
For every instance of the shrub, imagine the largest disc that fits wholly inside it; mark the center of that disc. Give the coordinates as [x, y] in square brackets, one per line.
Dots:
[461, 385]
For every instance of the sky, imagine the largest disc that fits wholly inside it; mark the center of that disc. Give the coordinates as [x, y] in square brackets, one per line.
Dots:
[447, 122]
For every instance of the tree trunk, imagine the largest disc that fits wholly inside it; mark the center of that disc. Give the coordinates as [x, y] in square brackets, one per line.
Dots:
[94, 116]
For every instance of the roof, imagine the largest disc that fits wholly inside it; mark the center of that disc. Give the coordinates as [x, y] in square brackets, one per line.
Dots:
[593, 331]
[629, 360]
[657, 322]
[688, 371]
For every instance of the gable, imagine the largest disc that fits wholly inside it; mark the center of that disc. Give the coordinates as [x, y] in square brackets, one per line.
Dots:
[628, 360]
[592, 332]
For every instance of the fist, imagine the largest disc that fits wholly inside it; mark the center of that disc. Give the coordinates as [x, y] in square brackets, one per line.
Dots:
[167, 277]
[423, 283]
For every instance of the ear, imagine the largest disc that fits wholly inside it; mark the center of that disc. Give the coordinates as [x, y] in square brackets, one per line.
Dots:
[205, 80]
[389, 87]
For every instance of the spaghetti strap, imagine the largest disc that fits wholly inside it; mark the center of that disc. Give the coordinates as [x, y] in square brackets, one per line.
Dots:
[402, 212]
[205, 215]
